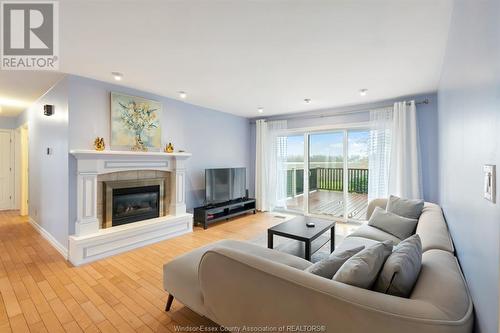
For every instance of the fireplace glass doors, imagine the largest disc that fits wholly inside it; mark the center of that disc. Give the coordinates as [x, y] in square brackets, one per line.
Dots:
[135, 204]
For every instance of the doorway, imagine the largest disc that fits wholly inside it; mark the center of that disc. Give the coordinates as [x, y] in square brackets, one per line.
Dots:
[6, 170]
[23, 170]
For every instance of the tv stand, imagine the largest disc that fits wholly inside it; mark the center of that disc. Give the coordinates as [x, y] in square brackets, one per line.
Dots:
[209, 214]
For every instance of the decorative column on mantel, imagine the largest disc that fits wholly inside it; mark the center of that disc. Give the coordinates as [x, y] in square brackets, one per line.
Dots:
[91, 163]
[178, 188]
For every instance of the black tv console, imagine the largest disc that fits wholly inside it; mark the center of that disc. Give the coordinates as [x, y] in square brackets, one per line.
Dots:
[223, 211]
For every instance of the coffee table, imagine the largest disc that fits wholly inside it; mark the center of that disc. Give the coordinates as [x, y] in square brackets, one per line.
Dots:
[296, 229]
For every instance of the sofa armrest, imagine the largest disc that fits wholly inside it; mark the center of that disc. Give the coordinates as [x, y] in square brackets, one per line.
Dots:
[241, 289]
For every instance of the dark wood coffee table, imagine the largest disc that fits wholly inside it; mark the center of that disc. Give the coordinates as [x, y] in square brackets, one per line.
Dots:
[296, 229]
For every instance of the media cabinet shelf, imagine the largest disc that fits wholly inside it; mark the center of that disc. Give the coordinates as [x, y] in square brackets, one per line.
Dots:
[207, 215]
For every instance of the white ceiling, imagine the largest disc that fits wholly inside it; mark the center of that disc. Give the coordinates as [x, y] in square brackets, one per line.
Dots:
[22, 88]
[235, 56]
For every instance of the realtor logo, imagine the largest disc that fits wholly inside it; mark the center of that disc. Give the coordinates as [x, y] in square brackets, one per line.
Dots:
[29, 35]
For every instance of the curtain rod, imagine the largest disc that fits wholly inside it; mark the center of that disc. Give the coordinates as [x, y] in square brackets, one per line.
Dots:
[342, 113]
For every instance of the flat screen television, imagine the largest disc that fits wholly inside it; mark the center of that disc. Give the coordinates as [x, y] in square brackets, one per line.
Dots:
[224, 184]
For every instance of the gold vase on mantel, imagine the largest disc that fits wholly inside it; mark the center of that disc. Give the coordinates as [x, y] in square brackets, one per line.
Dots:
[99, 144]
[169, 148]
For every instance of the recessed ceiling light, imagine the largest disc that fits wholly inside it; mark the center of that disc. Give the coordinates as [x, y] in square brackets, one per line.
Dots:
[363, 92]
[117, 76]
[307, 100]
[182, 94]
[260, 110]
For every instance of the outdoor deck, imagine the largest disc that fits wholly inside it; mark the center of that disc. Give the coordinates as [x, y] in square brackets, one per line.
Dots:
[331, 203]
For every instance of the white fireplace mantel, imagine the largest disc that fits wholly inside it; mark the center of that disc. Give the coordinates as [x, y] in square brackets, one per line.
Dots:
[90, 242]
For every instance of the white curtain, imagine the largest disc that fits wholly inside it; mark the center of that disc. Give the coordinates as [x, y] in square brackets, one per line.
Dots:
[394, 163]
[379, 152]
[271, 152]
[260, 165]
[404, 173]
[277, 158]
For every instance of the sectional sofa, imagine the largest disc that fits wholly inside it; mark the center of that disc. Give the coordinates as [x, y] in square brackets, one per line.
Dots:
[237, 284]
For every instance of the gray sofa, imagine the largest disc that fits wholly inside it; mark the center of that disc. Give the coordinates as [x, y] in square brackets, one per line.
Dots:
[237, 283]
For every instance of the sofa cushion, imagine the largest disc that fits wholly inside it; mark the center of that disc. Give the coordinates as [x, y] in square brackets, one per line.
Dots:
[396, 225]
[351, 242]
[433, 230]
[401, 269]
[362, 269]
[180, 276]
[382, 203]
[409, 208]
[367, 231]
[329, 266]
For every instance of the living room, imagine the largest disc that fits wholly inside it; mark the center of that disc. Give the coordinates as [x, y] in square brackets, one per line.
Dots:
[249, 166]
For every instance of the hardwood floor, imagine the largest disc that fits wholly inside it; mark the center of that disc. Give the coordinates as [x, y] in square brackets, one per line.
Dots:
[41, 292]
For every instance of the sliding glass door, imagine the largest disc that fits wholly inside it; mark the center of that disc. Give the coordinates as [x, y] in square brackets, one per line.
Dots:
[338, 173]
[357, 174]
[324, 173]
[326, 167]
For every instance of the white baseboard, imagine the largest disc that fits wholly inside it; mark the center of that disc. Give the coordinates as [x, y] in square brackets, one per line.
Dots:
[45, 234]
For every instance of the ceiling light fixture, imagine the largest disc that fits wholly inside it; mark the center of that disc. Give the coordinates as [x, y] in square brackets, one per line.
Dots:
[363, 92]
[260, 110]
[182, 94]
[117, 76]
[307, 100]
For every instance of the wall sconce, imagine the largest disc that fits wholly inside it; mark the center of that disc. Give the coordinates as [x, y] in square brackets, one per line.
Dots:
[48, 110]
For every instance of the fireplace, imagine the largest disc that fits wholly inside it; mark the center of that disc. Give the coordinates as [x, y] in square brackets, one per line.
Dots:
[130, 201]
[135, 204]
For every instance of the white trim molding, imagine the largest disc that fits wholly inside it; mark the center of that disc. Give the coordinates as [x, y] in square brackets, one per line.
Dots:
[91, 242]
[45, 234]
[111, 241]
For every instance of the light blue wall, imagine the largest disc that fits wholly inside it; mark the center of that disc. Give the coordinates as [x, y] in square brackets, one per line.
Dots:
[48, 174]
[215, 139]
[427, 126]
[469, 137]
[427, 118]
[8, 122]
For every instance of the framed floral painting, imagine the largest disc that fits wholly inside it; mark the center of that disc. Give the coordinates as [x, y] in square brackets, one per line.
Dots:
[135, 122]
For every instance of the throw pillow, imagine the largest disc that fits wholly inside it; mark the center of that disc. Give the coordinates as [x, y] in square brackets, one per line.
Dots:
[411, 209]
[396, 225]
[401, 269]
[329, 266]
[362, 269]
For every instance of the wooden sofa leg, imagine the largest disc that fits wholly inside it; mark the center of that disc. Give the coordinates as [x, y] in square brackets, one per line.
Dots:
[169, 302]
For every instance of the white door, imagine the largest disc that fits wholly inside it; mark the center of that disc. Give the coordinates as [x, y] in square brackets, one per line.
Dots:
[5, 170]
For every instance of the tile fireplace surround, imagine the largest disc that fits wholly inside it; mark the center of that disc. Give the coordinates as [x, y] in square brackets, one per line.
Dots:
[90, 241]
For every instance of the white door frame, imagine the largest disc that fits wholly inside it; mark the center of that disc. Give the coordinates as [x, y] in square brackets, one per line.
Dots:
[11, 170]
[25, 193]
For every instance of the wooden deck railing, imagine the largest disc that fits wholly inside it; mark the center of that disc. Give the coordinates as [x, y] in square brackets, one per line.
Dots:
[330, 179]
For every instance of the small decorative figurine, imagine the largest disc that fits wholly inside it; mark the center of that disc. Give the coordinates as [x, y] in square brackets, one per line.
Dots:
[169, 148]
[99, 144]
